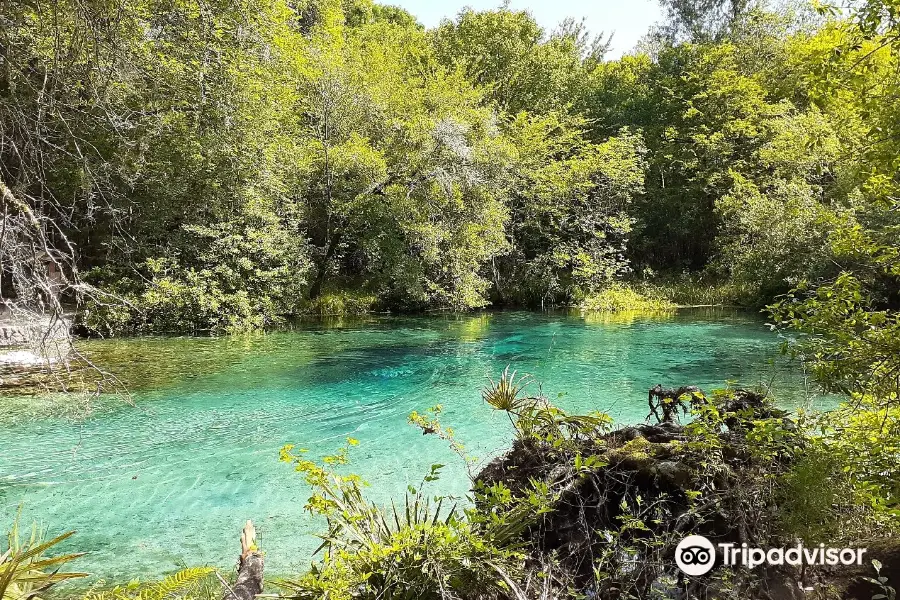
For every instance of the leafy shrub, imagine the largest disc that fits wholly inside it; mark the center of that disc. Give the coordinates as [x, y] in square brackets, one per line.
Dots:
[341, 303]
[696, 290]
[808, 495]
[418, 551]
[176, 300]
[569, 210]
[773, 239]
[853, 348]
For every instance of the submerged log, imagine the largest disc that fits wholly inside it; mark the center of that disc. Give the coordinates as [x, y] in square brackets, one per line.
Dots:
[250, 568]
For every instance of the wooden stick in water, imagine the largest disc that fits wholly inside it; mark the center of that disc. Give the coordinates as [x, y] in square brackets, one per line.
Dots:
[250, 569]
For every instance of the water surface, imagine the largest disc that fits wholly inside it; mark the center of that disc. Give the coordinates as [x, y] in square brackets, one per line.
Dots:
[169, 481]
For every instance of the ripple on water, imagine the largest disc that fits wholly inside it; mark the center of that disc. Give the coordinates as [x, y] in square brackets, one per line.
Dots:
[170, 480]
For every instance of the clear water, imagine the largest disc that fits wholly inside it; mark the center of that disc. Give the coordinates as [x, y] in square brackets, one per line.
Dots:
[169, 481]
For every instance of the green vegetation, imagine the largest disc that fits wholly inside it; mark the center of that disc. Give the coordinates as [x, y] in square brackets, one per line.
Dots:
[619, 298]
[222, 167]
[576, 508]
[223, 173]
[340, 303]
[412, 552]
[192, 582]
[191, 169]
[26, 571]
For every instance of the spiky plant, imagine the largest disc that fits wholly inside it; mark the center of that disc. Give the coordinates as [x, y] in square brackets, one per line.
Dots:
[418, 551]
[26, 572]
[534, 417]
[504, 394]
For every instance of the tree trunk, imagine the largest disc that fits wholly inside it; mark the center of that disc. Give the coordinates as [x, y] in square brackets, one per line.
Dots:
[316, 289]
[250, 571]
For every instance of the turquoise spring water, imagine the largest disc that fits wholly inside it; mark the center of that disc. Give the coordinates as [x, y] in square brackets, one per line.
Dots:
[170, 480]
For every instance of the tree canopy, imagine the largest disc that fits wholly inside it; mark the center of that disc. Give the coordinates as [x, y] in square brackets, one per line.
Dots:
[226, 166]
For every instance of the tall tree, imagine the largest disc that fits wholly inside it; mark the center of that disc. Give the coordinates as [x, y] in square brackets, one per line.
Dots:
[703, 20]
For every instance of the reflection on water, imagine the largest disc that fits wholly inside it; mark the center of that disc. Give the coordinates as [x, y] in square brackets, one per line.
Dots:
[170, 480]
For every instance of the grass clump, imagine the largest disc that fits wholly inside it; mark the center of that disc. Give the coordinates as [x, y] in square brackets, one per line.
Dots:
[624, 299]
[340, 303]
[697, 290]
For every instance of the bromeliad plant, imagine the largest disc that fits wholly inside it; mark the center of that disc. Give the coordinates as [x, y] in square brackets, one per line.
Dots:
[535, 418]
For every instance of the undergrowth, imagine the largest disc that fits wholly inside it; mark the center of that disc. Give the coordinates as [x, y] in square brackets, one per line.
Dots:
[619, 298]
[696, 290]
[340, 303]
[578, 510]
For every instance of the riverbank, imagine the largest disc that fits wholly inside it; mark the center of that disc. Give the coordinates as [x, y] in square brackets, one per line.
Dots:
[37, 362]
[574, 508]
[154, 315]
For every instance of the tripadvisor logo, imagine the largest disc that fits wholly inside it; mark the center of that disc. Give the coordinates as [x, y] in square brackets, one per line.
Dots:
[696, 555]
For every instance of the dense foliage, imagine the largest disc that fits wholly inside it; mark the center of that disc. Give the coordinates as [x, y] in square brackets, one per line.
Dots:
[223, 166]
[226, 166]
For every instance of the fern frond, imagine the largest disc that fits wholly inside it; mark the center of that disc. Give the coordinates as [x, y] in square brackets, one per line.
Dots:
[176, 584]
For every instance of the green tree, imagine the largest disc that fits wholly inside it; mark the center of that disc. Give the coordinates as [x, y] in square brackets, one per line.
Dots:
[570, 202]
[511, 56]
[703, 19]
[701, 119]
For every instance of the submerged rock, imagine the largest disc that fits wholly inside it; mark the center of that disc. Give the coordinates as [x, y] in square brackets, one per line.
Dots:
[25, 358]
